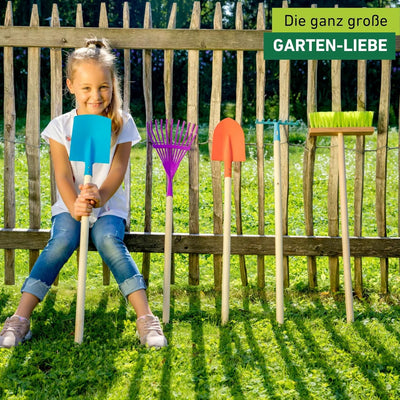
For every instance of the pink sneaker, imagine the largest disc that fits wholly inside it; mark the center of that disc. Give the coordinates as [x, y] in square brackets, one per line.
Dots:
[150, 332]
[16, 330]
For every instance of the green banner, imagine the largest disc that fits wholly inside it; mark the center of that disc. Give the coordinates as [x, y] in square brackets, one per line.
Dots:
[350, 20]
[329, 46]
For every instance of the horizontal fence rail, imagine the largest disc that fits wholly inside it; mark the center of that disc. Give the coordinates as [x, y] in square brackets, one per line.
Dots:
[134, 38]
[138, 38]
[212, 244]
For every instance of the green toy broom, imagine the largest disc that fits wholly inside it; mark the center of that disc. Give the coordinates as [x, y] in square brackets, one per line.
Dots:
[340, 124]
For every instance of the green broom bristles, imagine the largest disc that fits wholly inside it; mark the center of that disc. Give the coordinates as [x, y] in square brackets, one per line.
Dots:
[341, 119]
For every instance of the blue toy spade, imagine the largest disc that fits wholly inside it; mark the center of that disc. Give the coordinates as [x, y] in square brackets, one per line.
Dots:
[90, 143]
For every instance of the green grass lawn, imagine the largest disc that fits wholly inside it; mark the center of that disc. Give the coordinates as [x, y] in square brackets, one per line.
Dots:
[315, 354]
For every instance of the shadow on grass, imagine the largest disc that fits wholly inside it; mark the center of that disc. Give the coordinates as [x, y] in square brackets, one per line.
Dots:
[165, 385]
[309, 350]
[293, 372]
[199, 363]
[54, 365]
[373, 367]
[230, 357]
[392, 314]
[258, 360]
[136, 382]
[165, 390]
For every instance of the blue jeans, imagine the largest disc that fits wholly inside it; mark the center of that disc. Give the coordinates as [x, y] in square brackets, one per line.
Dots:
[107, 235]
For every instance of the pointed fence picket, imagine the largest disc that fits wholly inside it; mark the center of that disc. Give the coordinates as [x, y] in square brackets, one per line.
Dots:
[9, 151]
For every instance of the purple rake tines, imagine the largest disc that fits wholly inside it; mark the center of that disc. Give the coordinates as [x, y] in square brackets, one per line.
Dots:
[171, 146]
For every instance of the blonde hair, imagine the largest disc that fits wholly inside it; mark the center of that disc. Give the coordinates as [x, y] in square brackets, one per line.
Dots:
[99, 51]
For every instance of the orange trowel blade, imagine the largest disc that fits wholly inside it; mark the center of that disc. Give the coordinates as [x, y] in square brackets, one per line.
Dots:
[228, 144]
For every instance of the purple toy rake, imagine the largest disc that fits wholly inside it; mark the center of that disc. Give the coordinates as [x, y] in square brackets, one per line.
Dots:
[171, 146]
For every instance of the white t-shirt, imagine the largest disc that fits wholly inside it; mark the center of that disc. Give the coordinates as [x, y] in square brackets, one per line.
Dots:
[60, 130]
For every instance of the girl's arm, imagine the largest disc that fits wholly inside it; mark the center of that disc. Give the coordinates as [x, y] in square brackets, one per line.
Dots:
[77, 206]
[98, 197]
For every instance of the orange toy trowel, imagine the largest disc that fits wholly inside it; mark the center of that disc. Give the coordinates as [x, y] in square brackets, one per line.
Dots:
[228, 145]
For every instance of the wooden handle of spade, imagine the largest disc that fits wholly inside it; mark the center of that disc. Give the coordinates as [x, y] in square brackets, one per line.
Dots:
[226, 251]
[81, 291]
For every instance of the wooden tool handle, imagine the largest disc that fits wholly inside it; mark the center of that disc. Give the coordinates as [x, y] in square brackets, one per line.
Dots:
[348, 289]
[167, 259]
[80, 296]
[226, 251]
[278, 233]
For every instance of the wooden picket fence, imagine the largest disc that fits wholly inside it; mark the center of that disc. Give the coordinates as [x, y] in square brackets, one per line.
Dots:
[194, 40]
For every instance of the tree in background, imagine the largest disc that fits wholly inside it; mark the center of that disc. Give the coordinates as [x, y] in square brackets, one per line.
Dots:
[160, 15]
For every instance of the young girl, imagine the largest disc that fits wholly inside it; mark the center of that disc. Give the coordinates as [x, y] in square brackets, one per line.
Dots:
[92, 79]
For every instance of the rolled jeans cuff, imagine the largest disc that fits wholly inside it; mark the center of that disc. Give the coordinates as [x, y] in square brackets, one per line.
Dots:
[35, 287]
[132, 284]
